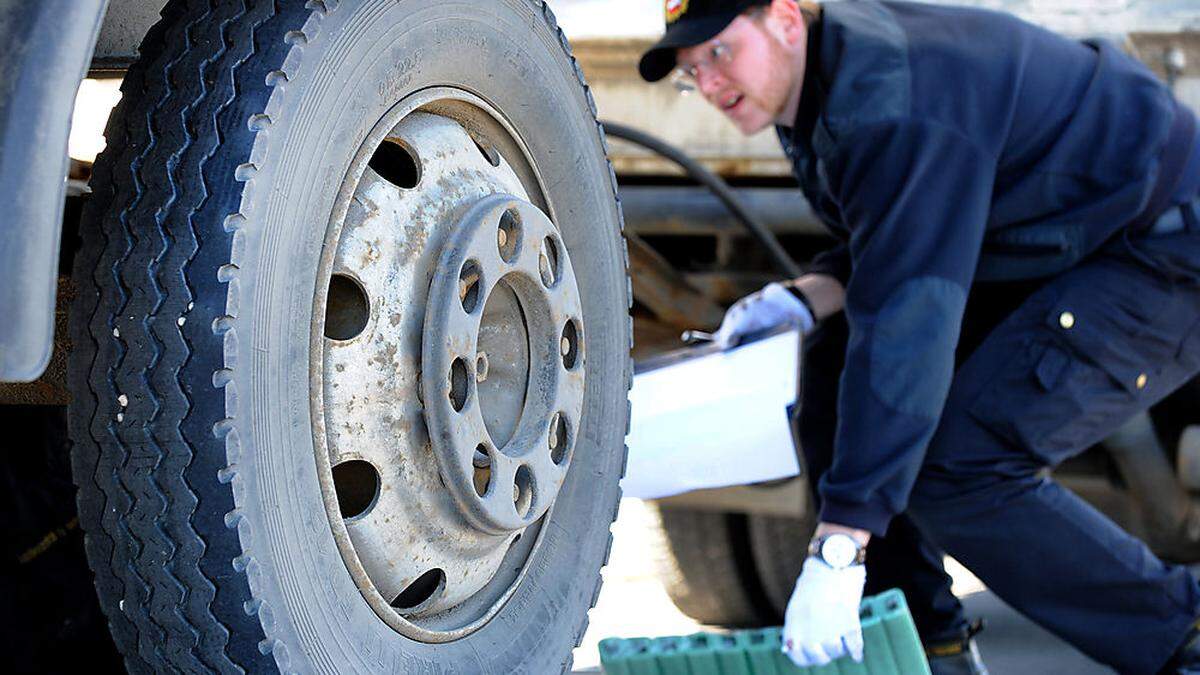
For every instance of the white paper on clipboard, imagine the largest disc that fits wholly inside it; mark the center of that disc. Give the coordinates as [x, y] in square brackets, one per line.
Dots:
[714, 420]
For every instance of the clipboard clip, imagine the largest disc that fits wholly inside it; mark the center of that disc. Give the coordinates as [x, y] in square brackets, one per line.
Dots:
[692, 337]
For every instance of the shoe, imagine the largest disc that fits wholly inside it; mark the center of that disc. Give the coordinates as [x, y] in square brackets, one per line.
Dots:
[959, 657]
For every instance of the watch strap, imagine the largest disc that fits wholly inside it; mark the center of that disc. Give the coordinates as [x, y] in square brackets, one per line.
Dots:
[799, 295]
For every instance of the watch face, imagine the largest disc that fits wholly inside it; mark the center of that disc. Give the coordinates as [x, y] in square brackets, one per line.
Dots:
[839, 550]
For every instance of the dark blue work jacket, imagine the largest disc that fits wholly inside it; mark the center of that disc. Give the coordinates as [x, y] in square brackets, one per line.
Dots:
[944, 146]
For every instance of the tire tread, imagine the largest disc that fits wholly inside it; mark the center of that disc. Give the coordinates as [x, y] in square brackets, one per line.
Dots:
[145, 493]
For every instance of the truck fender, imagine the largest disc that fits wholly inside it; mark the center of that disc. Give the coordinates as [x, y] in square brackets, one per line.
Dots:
[45, 50]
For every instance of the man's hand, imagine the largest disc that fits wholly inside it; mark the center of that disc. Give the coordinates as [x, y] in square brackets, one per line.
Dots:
[821, 622]
[768, 308]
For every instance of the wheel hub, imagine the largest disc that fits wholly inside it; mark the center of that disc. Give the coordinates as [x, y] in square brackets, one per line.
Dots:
[497, 439]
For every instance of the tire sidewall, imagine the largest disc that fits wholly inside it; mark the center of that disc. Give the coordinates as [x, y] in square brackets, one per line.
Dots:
[365, 58]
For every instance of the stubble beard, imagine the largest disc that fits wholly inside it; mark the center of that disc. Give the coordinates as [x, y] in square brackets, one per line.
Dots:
[775, 93]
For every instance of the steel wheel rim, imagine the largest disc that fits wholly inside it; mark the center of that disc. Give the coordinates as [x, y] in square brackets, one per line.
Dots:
[444, 615]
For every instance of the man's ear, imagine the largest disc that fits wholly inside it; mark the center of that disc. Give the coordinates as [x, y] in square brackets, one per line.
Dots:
[788, 20]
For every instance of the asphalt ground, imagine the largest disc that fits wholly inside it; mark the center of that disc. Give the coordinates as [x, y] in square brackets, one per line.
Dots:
[632, 603]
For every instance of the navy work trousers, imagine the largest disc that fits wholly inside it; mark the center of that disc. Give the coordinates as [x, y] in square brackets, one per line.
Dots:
[1046, 369]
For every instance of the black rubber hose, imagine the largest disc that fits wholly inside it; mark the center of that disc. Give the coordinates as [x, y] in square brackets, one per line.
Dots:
[713, 182]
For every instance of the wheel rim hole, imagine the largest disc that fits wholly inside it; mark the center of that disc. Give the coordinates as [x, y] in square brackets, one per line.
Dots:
[347, 308]
[482, 464]
[548, 262]
[508, 236]
[420, 591]
[468, 285]
[489, 153]
[558, 438]
[356, 483]
[569, 345]
[523, 491]
[460, 384]
[396, 163]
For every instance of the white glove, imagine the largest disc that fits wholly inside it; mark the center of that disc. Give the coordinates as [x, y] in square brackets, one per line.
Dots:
[821, 623]
[772, 306]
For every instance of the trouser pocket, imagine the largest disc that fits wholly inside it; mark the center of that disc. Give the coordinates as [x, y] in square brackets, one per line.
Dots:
[1051, 402]
[1085, 366]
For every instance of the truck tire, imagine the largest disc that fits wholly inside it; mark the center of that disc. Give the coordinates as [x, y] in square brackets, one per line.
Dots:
[704, 562]
[779, 546]
[271, 474]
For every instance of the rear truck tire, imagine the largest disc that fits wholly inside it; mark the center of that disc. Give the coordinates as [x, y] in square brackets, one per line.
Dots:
[779, 546]
[730, 569]
[306, 210]
[704, 561]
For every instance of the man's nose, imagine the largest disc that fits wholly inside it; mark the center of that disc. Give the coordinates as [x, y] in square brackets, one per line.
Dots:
[709, 82]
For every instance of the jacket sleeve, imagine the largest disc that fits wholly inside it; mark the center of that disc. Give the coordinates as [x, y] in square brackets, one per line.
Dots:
[916, 197]
[834, 262]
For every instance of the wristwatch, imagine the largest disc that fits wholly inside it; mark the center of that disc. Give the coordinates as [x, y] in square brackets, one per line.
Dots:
[838, 550]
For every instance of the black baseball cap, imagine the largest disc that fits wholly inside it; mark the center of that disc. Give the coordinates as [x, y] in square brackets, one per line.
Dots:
[689, 22]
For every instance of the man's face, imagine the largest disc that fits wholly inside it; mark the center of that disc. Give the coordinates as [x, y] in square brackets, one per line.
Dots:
[751, 81]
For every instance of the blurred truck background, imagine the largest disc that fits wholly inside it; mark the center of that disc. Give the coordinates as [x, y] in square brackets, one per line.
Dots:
[728, 556]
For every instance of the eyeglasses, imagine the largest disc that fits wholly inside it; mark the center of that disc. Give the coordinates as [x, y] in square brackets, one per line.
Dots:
[685, 78]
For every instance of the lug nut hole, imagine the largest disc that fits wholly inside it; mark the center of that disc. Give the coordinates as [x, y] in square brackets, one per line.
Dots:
[558, 438]
[569, 345]
[460, 384]
[347, 308]
[420, 591]
[468, 286]
[396, 163]
[548, 262]
[481, 367]
[523, 491]
[356, 483]
[508, 236]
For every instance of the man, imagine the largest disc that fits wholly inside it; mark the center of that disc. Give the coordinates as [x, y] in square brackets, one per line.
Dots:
[961, 153]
